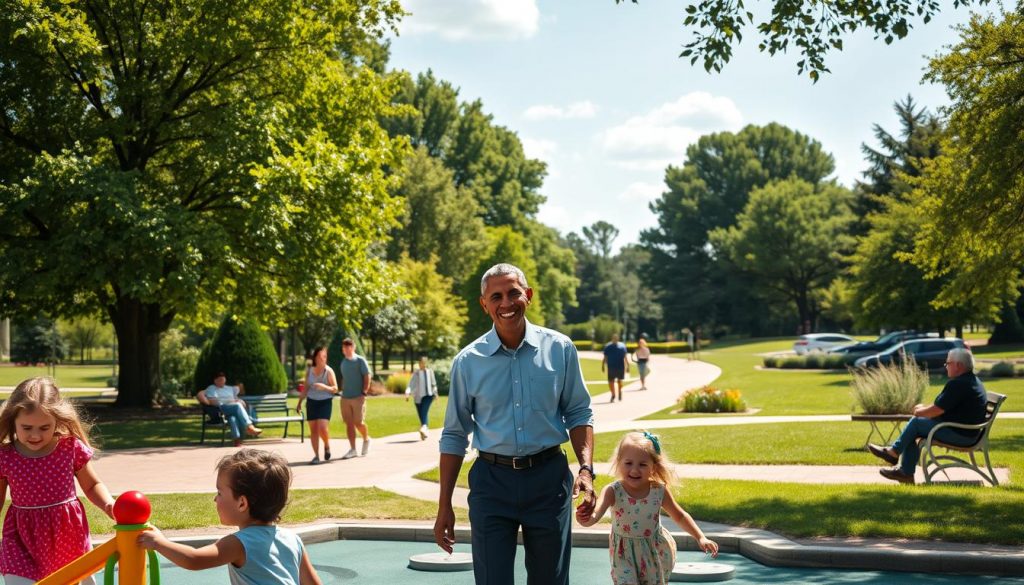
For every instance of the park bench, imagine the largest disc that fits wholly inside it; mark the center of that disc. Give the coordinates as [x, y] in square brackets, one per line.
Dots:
[932, 464]
[264, 410]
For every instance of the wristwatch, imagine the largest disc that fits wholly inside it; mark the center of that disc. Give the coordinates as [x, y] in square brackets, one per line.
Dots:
[590, 469]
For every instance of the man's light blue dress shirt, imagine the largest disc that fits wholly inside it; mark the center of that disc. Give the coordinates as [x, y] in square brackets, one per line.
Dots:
[515, 402]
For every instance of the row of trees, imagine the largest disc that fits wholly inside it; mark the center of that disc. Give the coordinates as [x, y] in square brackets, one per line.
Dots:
[163, 164]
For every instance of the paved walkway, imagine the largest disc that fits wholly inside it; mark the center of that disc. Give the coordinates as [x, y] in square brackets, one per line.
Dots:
[393, 460]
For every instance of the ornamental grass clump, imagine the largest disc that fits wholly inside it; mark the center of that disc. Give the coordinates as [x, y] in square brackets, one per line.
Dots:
[711, 399]
[889, 389]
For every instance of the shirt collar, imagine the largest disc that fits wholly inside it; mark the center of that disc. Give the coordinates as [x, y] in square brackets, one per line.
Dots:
[492, 343]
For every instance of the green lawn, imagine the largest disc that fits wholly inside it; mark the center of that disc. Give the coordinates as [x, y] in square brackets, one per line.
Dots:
[803, 392]
[1010, 350]
[189, 511]
[385, 415]
[94, 376]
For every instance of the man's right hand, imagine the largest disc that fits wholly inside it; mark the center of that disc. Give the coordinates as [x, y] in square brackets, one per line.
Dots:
[444, 528]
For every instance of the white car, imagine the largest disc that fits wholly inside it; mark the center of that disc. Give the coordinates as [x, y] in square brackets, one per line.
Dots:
[820, 342]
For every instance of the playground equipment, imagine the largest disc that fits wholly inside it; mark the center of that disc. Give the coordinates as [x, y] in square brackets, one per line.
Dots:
[131, 511]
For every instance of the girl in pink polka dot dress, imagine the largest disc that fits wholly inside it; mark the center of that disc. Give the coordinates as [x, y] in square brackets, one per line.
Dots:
[44, 448]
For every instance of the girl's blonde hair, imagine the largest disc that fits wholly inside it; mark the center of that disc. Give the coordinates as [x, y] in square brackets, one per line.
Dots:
[661, 467]
[41, 394]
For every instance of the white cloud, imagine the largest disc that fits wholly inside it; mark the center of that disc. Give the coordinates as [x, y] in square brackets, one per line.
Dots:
[642, 192]
[460, 20]
[660, 137]
[584, 109]
[538, 148]
[566, 220]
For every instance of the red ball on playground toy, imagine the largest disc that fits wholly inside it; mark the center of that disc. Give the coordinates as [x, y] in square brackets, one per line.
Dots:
[131, 508]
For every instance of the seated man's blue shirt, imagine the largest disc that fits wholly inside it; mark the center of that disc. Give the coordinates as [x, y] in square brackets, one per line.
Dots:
[515, 402]
[963, 400]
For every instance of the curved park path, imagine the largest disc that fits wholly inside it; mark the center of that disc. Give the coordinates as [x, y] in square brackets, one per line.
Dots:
[395, 459]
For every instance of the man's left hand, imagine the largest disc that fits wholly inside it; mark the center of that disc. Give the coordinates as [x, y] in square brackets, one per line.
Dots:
[584, 484]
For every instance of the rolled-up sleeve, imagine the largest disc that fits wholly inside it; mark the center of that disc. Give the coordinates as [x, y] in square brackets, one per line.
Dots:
[458, 419]
[575, 400]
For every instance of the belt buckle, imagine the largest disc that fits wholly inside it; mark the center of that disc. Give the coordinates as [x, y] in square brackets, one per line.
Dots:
[516, 460]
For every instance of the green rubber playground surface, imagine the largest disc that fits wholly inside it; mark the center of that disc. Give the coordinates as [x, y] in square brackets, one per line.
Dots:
[385, 563]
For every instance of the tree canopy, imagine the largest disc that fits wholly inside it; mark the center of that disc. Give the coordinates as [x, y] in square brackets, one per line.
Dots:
[814, 27]
[972, 195]
[165, 159]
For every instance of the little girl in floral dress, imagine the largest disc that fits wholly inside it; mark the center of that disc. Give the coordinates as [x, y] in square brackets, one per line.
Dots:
[44, 448]
[642, 550]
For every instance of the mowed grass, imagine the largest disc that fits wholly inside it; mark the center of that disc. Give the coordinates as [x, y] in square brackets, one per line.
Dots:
[189, 511]
[777, 392]
[67, 376]
[385, 415]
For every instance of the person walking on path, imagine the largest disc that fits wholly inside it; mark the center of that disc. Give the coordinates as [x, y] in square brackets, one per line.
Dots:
[519, 390]
[318, 393]
[355, 385]
[423, 388]
[616, 358]
[642, 550]
[963, 400]
[642, 355]
[232, 408]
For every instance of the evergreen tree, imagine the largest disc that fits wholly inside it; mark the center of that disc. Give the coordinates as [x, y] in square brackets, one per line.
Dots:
[244, 353]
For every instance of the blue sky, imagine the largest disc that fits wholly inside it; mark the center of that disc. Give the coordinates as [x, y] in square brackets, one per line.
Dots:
[597, 91]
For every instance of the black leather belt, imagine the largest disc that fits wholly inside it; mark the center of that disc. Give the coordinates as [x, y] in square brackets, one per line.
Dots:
[521, 462]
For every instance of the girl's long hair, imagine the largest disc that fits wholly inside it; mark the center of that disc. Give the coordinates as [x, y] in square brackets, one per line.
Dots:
[661, 467]
[41, 394]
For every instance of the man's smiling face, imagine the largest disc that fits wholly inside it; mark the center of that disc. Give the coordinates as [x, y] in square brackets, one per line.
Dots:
[505, 300]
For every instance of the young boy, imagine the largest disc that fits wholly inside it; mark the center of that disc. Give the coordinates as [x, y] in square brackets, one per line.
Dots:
[252, 489]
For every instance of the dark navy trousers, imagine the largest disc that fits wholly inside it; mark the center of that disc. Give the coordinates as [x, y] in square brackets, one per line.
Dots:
[539, 499]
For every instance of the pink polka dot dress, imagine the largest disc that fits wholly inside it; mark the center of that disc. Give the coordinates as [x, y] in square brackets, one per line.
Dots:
[45, 527]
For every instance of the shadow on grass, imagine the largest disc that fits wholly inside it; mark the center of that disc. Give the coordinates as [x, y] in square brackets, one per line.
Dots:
[978, 515]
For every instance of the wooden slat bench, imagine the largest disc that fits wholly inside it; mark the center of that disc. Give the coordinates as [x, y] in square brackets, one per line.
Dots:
[265, 410]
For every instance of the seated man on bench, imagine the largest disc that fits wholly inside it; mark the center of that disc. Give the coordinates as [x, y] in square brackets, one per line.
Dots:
[962, 400]
[232, 408]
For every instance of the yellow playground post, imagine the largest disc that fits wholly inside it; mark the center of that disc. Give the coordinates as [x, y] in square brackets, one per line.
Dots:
[131, 512]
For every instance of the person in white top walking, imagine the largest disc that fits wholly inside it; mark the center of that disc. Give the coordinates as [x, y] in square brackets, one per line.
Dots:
[423, 388]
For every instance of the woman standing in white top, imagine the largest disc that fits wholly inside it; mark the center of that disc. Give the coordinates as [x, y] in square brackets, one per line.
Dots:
[423, 388]
[641, 356]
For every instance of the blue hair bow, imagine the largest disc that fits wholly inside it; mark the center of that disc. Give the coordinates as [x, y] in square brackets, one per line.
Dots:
[654, 441]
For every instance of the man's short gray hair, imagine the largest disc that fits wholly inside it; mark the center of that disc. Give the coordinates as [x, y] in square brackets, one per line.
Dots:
[502, 270]
[962, 356]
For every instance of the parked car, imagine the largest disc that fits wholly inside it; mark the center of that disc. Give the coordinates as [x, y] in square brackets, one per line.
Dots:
[884, 342]
[928, 353]
[820, 342]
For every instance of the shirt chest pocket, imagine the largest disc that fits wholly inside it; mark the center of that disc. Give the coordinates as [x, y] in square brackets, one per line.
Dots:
[544, 392]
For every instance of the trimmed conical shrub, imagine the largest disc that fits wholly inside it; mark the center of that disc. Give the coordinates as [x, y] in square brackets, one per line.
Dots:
[244, 353]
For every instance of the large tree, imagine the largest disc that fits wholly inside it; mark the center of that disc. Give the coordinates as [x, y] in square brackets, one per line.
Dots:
[972, 196]
[707, 192]
[814, 27]
[440, 219]
[440, 317]
[164, 159]
[789, 236]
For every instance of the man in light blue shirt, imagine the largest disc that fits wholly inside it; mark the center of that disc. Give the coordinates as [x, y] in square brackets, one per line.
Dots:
[519, 390]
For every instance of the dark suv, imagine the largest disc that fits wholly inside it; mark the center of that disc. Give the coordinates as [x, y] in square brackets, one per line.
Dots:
[882, 343]
[929, 353]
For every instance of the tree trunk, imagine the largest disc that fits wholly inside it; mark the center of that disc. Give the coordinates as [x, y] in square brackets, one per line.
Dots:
[138, 326]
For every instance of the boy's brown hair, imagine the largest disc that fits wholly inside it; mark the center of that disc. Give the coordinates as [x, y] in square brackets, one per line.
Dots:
[262, 477]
